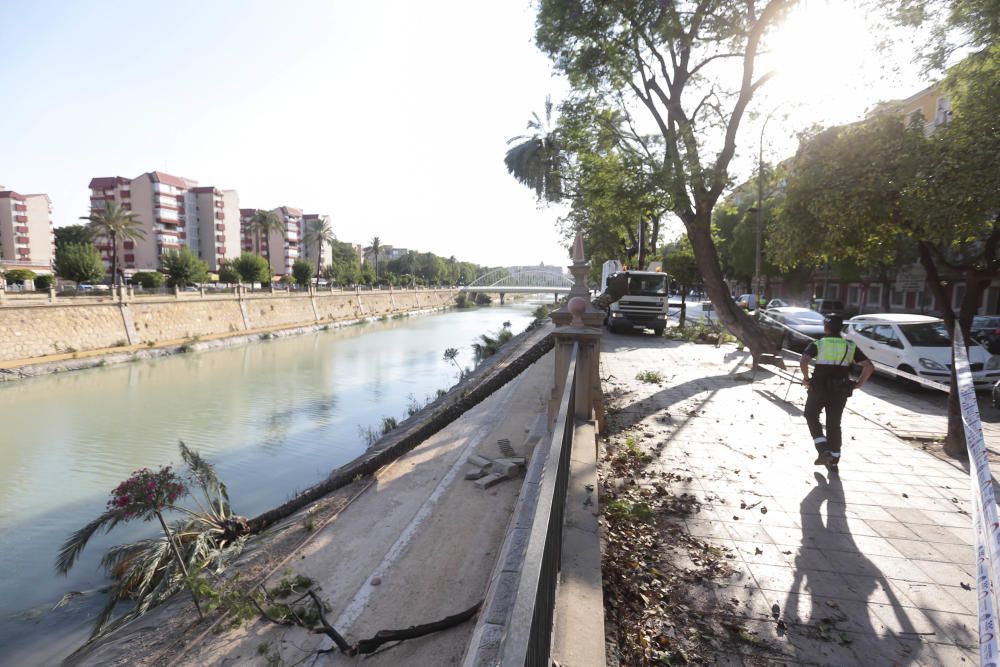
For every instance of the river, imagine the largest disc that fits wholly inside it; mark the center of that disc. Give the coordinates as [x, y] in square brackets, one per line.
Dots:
[274, 417]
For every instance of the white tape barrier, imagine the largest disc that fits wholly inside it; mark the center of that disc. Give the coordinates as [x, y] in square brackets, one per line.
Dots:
[987, 525]
[882, 367]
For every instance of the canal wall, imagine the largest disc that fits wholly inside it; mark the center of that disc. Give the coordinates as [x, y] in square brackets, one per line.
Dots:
[43, 329]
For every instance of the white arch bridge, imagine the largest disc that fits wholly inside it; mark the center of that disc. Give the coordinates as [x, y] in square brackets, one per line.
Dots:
[522, 280]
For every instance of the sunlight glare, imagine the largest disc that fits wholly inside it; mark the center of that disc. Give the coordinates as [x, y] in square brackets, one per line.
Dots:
[827, 61]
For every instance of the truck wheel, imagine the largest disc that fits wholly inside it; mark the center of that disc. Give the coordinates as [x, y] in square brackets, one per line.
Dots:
[658, 331]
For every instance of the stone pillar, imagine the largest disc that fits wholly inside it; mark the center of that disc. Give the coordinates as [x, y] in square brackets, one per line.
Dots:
[52, 294]
[592, 317]
[579, 322]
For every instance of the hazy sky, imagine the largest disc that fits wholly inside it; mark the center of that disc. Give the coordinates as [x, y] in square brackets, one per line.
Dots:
[392, 117]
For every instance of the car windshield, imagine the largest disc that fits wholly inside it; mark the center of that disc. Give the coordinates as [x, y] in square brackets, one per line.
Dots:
[926, 334]
[648, 285]
[805, 317]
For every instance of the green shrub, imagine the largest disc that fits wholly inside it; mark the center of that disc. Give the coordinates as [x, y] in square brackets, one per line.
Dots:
[148, 279]
[45, 282]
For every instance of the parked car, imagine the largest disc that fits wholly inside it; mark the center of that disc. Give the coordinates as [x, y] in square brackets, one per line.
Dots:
[778, 303]
[917, 344]
[828, 306]
[794, 327]
[986, 330]
[747, 302]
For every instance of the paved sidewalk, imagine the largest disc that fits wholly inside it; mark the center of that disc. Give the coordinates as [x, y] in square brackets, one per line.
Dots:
[867, 569]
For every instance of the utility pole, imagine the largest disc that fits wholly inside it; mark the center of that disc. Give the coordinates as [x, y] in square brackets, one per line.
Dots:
[760, 210]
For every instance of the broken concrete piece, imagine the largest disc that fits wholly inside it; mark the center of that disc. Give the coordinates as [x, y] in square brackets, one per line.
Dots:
[476, 474]
[490, 480]
[517, 460]
[480, 461]
[508, 467]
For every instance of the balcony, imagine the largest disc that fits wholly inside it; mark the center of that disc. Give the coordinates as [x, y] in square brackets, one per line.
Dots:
[164, 240]
[220, 238]
[220, 228]
[21, 230]
[220, 251]
[21, 208]
[22, 239]
[20, 218]
[219, 215]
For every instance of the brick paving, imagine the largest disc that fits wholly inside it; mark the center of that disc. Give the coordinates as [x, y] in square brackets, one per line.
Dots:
[872, 568]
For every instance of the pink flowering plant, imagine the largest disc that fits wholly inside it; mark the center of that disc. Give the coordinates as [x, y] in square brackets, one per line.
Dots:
[145, 494]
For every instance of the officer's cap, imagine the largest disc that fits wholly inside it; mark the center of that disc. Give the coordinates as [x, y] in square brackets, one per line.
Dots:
[833, 322]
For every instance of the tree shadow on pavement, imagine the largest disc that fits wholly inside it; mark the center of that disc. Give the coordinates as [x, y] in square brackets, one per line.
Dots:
[830, 608]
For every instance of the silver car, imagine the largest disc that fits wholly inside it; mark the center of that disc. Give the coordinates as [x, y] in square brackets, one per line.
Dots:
[794, 327]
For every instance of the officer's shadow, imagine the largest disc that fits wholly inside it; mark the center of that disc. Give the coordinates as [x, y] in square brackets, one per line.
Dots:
[839, 622]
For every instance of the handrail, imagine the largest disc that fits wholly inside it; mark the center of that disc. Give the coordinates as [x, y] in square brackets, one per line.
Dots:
[528, 639]
[984, 499]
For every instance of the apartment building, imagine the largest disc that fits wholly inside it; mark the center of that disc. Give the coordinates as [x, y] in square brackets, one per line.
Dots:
[217, 232]
[27, 240]
[174, 212]
[284, 245]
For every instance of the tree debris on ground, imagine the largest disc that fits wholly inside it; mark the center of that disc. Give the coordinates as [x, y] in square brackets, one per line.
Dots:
[665, 595]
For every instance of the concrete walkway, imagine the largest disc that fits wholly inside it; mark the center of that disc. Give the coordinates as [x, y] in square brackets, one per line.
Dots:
[415, 547]
[873, 568]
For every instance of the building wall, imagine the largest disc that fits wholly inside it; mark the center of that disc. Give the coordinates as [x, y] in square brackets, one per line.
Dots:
[147, 257]
[231, 222]
[40, 232]
[40, 330]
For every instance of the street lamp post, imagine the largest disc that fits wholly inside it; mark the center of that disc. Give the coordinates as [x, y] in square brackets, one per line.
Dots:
[760, 209]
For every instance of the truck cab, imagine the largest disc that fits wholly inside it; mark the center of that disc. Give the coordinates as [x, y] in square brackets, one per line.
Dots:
[645, 303]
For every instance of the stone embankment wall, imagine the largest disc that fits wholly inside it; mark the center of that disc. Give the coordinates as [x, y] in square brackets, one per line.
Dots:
[40, 329]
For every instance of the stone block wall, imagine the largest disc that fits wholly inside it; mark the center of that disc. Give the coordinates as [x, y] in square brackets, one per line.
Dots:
[43, 329]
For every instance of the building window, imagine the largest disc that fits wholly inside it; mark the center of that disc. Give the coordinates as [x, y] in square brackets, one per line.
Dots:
[854, 295]
[874, 295]
[832, 291]
[898, 298]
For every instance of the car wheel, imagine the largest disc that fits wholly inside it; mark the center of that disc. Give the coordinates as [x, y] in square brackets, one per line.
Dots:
[907, 382]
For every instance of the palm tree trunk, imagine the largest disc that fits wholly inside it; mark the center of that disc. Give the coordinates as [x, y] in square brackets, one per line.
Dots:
[114, 259]
[180, 562]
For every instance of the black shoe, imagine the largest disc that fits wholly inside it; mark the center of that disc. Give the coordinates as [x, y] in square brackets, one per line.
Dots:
[825, 458]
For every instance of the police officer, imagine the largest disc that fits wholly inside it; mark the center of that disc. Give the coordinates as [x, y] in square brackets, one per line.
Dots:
[830, 385]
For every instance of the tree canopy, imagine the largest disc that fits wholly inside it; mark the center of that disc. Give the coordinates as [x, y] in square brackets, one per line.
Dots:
[182, 267]
[79, 262]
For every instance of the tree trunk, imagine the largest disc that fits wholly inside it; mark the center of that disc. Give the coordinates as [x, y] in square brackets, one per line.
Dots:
[683, 315]
[740, 324]
[114, 259]
[954, 443]
[436, 422]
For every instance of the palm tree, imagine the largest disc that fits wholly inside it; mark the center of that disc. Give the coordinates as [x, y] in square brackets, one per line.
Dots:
[114, 223]
[534, 161]
[149, 571]
[263, 223]
[320, 232]
[375, 249]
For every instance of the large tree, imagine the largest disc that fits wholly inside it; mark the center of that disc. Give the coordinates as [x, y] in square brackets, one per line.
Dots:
[263, 224]
[73, 234]
[79, 262]
[534, 159]
[115, 224]
[375, 249]
[855, 191]
[319, 233]
[692, 68]
[183, 268]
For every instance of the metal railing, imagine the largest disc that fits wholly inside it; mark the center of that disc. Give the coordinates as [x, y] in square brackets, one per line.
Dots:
[528, 640]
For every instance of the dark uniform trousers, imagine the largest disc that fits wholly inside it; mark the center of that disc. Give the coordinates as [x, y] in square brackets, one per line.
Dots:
[832, 399]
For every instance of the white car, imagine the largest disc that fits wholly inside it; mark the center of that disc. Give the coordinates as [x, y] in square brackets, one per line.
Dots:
[917, 344]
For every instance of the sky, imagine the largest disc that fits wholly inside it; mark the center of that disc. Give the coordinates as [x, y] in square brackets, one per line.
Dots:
[391, 117]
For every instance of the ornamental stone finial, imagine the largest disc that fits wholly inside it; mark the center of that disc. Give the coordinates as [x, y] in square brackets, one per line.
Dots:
[578, 257]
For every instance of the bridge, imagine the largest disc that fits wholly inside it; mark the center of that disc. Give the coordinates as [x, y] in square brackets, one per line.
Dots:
[522, 280]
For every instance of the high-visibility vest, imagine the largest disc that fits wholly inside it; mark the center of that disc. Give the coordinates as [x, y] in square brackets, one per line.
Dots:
[834, 351]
